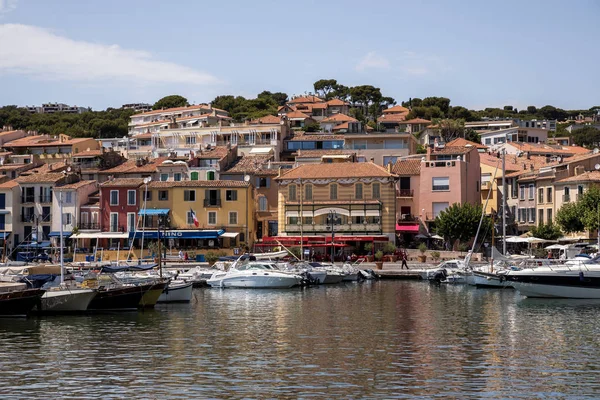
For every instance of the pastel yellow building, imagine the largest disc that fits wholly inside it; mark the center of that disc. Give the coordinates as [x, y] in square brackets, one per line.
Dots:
[226, 207]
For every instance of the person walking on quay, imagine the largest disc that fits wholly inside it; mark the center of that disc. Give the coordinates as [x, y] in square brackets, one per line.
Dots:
[404, 257]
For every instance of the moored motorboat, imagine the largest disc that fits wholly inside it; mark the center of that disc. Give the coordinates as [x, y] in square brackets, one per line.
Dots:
[177, 291]
[66, 300]
[254, 274]
[119, 298]
[493, 280]
[18, 301]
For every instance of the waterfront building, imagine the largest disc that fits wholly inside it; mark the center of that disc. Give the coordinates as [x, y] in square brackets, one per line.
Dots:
[357, 199]
[11, 228]
[207, 164]
[51, 149]
[571, 189]
[409, 220]
[74, 195]
[90, 163]
[119, 206]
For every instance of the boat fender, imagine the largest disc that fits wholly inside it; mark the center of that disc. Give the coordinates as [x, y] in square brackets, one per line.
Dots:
[581, 276]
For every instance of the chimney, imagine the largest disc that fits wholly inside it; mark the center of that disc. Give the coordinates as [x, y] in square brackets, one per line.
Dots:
[372, 160]
[389, 167]
[531, 167]
[428, 152]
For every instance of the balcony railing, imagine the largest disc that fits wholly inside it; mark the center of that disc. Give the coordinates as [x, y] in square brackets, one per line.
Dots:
[28, 199]
[117, 228]
[46, 199]
[405, 193]
[212, 202]
[321, 228]
[566, 198]
[407, 218]
[26, 218]
[88, 226]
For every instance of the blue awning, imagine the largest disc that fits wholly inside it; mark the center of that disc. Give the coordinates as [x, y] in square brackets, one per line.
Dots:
[66, 234]
[4, 235]
[178, 234]
[154, 211]
[34, 245]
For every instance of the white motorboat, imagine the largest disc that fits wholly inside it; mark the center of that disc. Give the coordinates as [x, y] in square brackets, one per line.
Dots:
[333, 274]
[177, 291]
[60, 299]
[572, 279]
[493, 280]
[451, 271]
[254, 274]
[305, 270]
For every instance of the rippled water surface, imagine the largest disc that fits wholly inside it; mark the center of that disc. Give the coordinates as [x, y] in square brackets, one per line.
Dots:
[380, 339]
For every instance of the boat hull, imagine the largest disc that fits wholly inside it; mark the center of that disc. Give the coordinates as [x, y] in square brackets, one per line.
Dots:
[350, 277]
[556, 291]
[256, 282]
[333, 278]
[489, 280]
[19, 303]
[65, 301]
[150, 298]
[119, 299]
[180, 293]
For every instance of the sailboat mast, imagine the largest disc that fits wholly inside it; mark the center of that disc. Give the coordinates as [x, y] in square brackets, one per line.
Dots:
[62, 265]
[504, 194]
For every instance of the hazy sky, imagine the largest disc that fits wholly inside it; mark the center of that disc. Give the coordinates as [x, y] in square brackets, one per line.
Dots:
[477, 53]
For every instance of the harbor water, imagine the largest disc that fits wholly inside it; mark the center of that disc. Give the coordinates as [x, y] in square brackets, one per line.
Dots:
[381, 339]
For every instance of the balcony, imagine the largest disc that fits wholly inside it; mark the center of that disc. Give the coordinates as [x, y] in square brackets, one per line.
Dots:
[212, 202]
[89, 226]
[117, 228]
[486, 185]
[28, 199]
[341, 228]
[45, 199]
[407, 218]
[405, 193]
[440, 164]
[26, 218]
[566, 198]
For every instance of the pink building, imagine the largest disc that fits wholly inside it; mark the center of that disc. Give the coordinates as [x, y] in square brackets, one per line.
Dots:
[428, 186]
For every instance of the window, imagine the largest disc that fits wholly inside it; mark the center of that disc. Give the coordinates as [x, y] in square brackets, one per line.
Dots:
[548, 215]
[114, 197]
[131, 197]
[130, 222]
[531, 191]
[190, 140]
[540, 195]
[2, 201]
[333, 191]
[358, 191]
[194, 176]
[164, 177]
[522, 192]
[579, 190]
[210, 175]
[485, 178]
[441, 184]
[376, 190]
[114, 222]
[66, 219]
[68, 197]
[148, 195]
[293, 220]
[308, 192]
[190, 218]
[532, 215]
[549, 195]
[189, 195]
[292, 192]
[177, 176]
[262, 203]
[262, 182]
[488, 141]
[540, 216]
[389, 159]
[163, 195]
[231, 195]
[233, 218]
[212, 217]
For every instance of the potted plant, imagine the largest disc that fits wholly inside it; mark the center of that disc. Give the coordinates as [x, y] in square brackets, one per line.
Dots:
[211, 257]
[422, 257]
[369, 251]
[389, 249]
[378, 257]
[435, 255]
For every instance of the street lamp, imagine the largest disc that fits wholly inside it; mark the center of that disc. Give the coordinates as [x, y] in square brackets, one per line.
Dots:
[147, 180]
[163, 222]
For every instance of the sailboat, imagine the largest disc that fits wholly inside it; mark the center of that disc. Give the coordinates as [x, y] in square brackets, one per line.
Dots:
[65, 298]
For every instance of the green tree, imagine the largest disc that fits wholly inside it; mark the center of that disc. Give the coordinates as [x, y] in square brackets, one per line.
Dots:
[171, 101]
[547, 231]
[443, 103]
[472, 135]
[312, 127]
[412, 102]
[569, 219]
[531, 109]
[508, 108]
[586, 136]
[460, 222]
[323, 87]
[451, 129]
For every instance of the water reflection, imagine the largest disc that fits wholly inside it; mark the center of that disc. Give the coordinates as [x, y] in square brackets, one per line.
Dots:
[378, 339]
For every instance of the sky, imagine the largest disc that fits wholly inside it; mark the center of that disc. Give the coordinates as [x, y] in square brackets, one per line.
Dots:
[107, 53]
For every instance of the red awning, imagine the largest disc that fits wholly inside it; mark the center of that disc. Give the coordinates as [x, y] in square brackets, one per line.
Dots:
[381, 238]
[409, 228]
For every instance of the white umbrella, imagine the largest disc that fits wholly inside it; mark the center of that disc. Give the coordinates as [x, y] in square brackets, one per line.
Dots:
[516, 239]
[437, 237]
[556, 247]
[537, 240]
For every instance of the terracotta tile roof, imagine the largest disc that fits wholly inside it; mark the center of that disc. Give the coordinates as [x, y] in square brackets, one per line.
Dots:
[345, 125]
[322, 106]
[396, 109]
[174, 109]
[218, 152]
[297, 114]
[42, 141]
[256, 165]
[337, 170]
[76, 185]
[304, 136]
[407, 167]
[337, 102]
[12, 167]
[160, 121]
[588, 176]
[306, 99]
[541, 148]
[269, 119]
[452, 150]
[321, 153]
[51, 177]
[131, 167]
[464, 142]
[88, 153]
[9, 184]
[416, 121]
[392, 118]
[143, 136]
[339, 118]
[54, 167]
[124, 182]
[194, 184]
